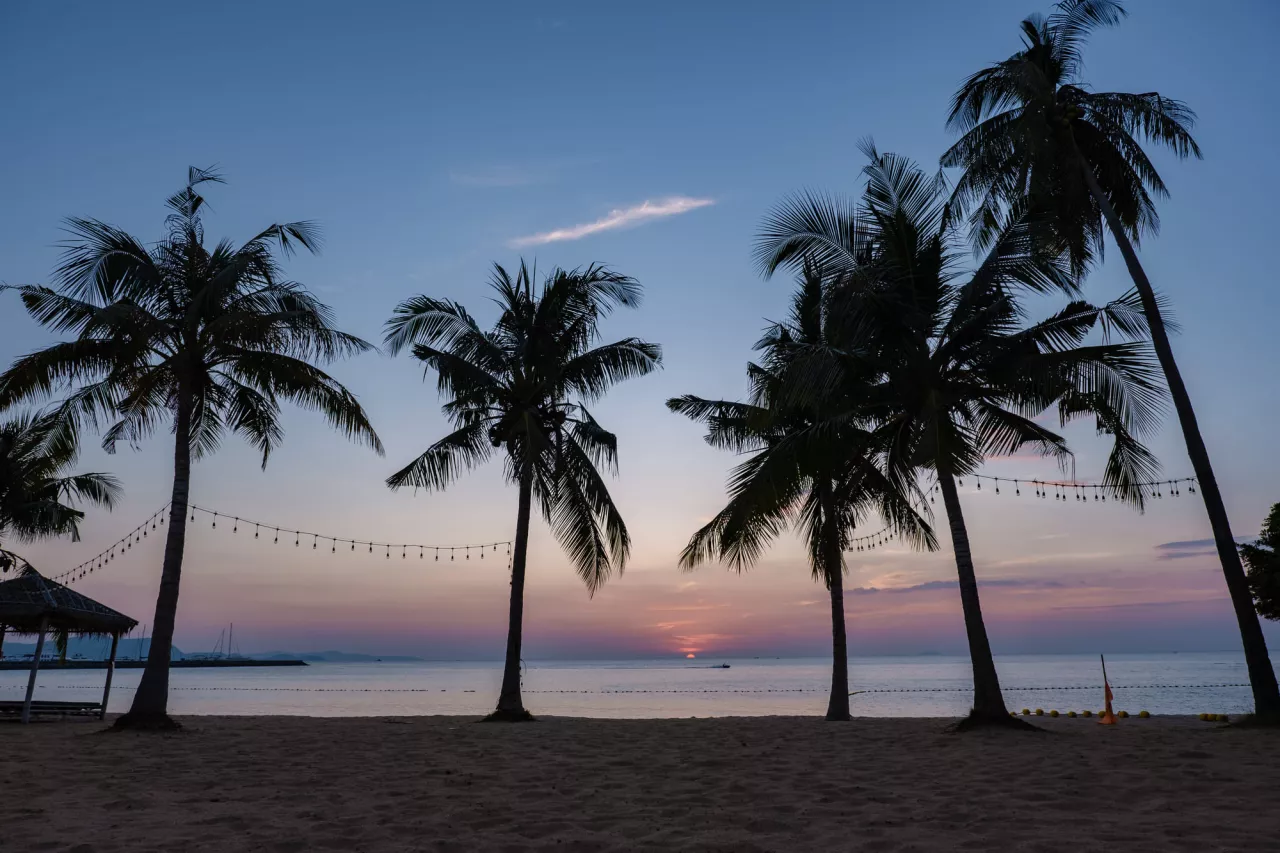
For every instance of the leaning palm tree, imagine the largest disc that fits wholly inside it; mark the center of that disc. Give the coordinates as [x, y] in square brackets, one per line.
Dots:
[813, 466]
[36, 489]
[521, 389]
[961, 376]
[1034, 136]
[212, 340]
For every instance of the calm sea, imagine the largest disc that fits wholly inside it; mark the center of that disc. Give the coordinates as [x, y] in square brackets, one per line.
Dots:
[927, 686]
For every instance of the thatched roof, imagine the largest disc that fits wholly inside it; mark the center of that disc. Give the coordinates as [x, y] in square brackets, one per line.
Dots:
[26, 600]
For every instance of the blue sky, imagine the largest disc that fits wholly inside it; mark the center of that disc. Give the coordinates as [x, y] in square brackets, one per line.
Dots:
[428, 140]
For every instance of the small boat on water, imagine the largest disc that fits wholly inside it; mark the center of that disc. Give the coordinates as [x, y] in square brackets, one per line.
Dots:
[721, 666]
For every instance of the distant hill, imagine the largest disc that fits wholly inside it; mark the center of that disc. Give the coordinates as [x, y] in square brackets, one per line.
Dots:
[97, 648]
[91, 648]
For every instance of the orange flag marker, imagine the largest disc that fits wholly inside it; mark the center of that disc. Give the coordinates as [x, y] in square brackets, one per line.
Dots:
[1108, 717]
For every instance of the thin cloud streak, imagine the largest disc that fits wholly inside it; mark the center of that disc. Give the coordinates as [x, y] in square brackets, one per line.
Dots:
[621, 218]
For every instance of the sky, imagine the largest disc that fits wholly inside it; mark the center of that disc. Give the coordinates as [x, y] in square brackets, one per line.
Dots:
[431, 141]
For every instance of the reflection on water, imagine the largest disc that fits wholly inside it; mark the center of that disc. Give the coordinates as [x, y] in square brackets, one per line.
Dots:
[929, 686]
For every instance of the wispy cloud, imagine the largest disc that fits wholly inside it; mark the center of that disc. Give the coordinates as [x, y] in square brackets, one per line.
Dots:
[621, 218]
[932, 585]
[1191, 548]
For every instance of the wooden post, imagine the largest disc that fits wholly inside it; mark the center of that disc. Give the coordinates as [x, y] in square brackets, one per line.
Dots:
[3, 628]
[35, 667]
[111, 670]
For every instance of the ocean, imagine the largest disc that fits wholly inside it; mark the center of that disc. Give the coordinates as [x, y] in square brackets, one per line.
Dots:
[924, 686]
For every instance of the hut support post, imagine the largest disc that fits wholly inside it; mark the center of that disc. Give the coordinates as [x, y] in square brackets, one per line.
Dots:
[111, 670]
[35, 667]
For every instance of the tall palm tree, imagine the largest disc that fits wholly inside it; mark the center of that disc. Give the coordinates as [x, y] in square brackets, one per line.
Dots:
[210, 339]
[1035, 136]
[36, 489]
[961, 377]
[521, 389]
[813, 466]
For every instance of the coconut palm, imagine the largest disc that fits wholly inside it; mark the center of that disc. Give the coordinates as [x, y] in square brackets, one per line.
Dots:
[36, 489]
[812, 467]
[961, 375]
[1035, 136]
[1262, 556]
[521, 390]
[211, 340]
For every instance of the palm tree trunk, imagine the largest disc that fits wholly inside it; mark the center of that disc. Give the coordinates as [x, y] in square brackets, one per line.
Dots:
[838, 706]
[510, 705]
[988, 704]
[1266, 693]
[151, 701]
[833, 557]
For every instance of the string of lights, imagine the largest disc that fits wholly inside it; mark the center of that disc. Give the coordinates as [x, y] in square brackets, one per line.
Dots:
[1060, 489]
[1081, 491]
[260, 528]
[106, 555]
[405, 548]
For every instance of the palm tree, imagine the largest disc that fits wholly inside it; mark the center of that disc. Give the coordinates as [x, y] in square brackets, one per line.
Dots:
[1035, 136]
[522, 389]
[812, 467]
[36, 490]
[960, 375]
[1262, 556]
[213, 339]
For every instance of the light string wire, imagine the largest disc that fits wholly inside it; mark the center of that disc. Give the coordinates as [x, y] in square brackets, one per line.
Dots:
[115, 549]
[160, 516]
[259, 527]
[1081, 491]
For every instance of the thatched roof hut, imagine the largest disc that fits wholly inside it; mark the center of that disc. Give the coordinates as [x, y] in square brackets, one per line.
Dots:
[33, 604]
[27, 601]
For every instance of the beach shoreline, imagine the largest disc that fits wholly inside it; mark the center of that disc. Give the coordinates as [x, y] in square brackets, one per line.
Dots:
[721, 784]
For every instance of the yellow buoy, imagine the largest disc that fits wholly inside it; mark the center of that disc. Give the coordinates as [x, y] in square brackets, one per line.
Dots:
[1071, 713]
[1144, 714]
[1122, 714]
[1086, 713]
[1026, 712]
[1053, 713]
[1039, 712]
[1204, 717]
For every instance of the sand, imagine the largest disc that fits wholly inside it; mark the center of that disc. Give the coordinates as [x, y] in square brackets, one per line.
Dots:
[743, 784]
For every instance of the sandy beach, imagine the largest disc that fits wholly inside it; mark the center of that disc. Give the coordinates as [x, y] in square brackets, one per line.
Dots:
[729, 784]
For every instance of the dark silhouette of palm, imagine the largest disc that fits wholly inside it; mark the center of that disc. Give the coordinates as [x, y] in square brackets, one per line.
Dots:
[812, 466]
[521, 389]
[960, 375]
[1262, 556]
[211, 339]
[1035, 138]
[36, 489]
